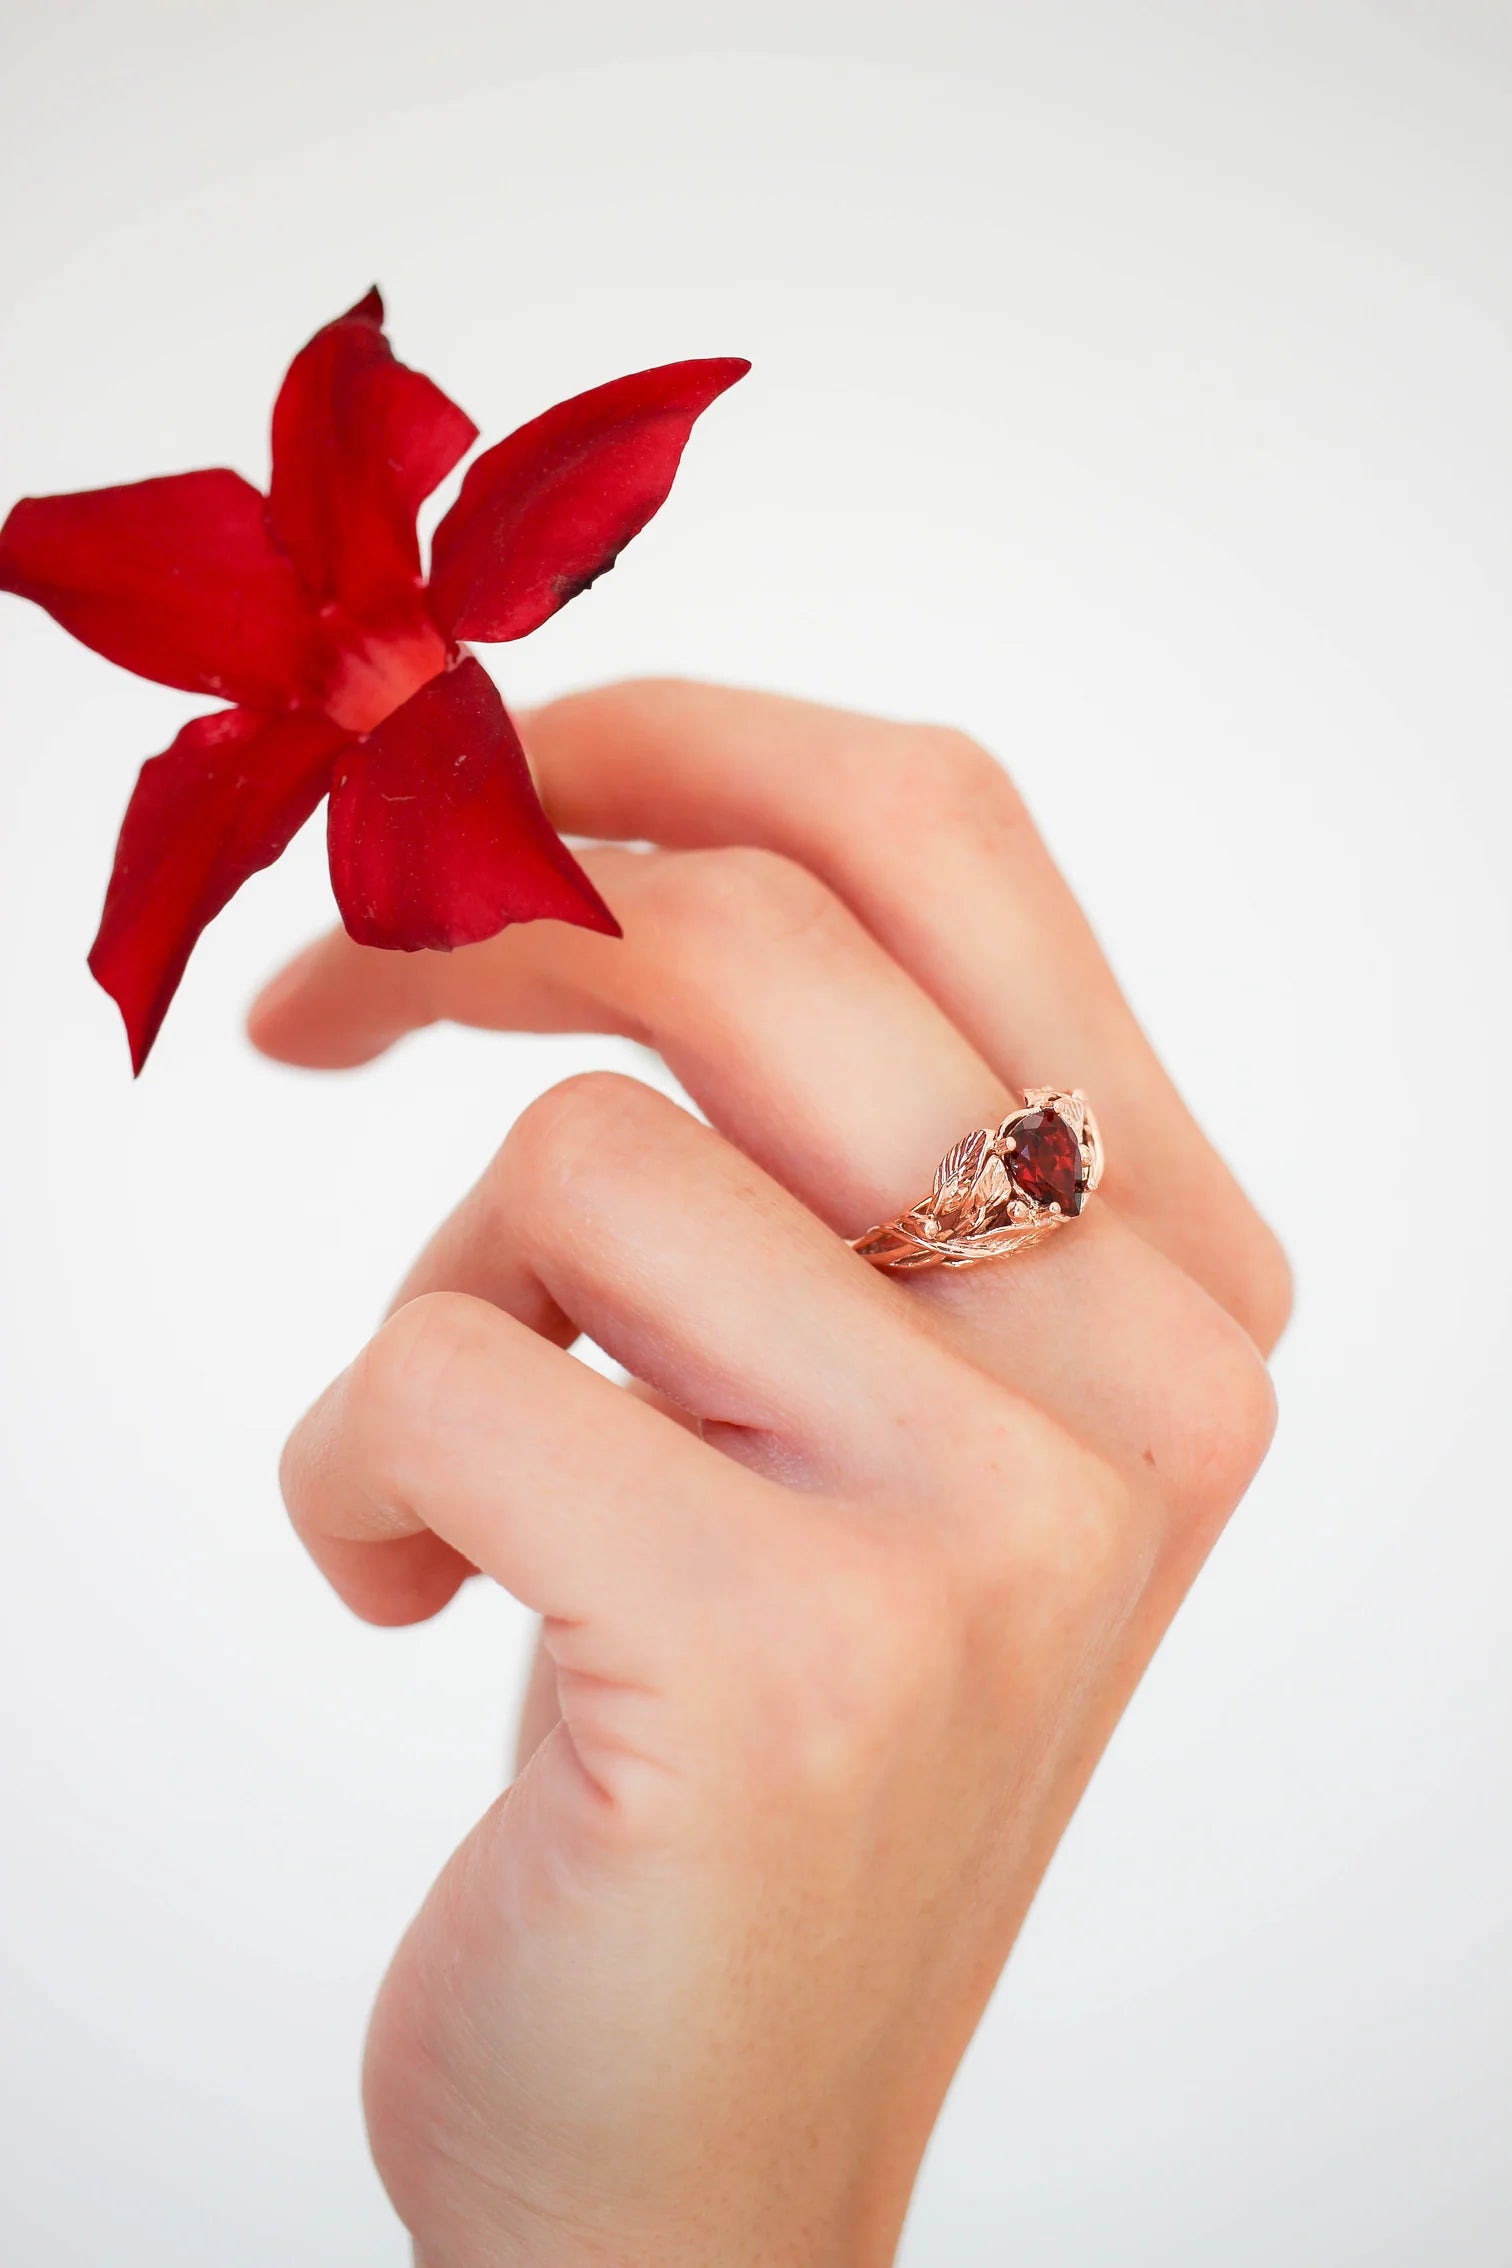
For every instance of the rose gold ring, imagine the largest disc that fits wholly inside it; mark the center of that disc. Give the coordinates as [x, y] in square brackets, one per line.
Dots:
[999, 1190]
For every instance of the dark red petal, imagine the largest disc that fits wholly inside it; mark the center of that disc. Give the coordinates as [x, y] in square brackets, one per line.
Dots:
[177, 579]
[437, 837]
[223, 801]
[546, 512]
[359, 442]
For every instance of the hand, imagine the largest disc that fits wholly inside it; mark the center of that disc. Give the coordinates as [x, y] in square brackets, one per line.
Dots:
[836, 1627]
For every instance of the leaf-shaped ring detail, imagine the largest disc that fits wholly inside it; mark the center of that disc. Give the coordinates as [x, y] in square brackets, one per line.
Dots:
[1000, 1189]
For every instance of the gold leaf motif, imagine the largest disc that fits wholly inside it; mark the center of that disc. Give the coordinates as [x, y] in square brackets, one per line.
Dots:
[992, 1186]
[958, 1168]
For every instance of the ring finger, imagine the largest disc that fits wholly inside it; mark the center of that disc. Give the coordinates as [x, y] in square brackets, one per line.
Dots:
[826, 1064]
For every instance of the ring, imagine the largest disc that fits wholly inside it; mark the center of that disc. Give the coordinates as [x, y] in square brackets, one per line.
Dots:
[999, 1190]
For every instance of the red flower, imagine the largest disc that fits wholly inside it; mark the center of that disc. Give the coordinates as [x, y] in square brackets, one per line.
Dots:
[308, 609]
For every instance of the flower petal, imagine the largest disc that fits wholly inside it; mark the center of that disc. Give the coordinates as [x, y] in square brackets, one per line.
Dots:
[224, 800]
[548, 511]
[359, 442]
[177, 579]
[437, 837]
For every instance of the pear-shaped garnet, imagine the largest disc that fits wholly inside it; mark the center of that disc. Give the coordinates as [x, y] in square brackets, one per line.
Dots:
[1046, 1160]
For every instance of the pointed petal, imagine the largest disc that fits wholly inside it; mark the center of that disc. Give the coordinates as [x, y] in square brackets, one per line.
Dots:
[177, 579]
[546, 512]
[224, 800]
[359, 442]
[437, 837]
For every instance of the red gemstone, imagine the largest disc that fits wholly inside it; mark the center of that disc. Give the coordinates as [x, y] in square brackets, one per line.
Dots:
[1046, 1160]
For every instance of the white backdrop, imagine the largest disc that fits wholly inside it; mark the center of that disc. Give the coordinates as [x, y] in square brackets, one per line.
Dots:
[1131, 387]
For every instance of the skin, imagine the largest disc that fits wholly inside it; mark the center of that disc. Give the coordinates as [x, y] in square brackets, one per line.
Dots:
[841, 1602]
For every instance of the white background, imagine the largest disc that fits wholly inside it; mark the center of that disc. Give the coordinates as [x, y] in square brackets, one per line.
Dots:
[1131, 387]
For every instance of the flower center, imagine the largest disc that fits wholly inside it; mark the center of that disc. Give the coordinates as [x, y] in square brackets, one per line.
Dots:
[374, 672]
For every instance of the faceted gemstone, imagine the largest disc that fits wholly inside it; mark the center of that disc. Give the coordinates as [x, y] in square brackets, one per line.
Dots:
[1046, 1160]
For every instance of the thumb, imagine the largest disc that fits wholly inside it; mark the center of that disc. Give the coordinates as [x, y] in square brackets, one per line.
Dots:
[338, 1004]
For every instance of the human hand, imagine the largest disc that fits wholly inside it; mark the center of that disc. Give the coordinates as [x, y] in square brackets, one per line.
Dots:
[834, 1655]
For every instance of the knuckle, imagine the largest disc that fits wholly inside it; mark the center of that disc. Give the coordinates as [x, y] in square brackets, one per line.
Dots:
[1056, 1523]
[944, 779]
[1221, 1420]
[719, 899]
[563, 1139]
[385, 1416]
[1103, 1552]
[294, 1473]
[399, 1379]
[1268, 1287]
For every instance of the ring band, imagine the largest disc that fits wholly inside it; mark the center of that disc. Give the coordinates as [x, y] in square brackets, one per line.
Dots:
[999, 1190]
